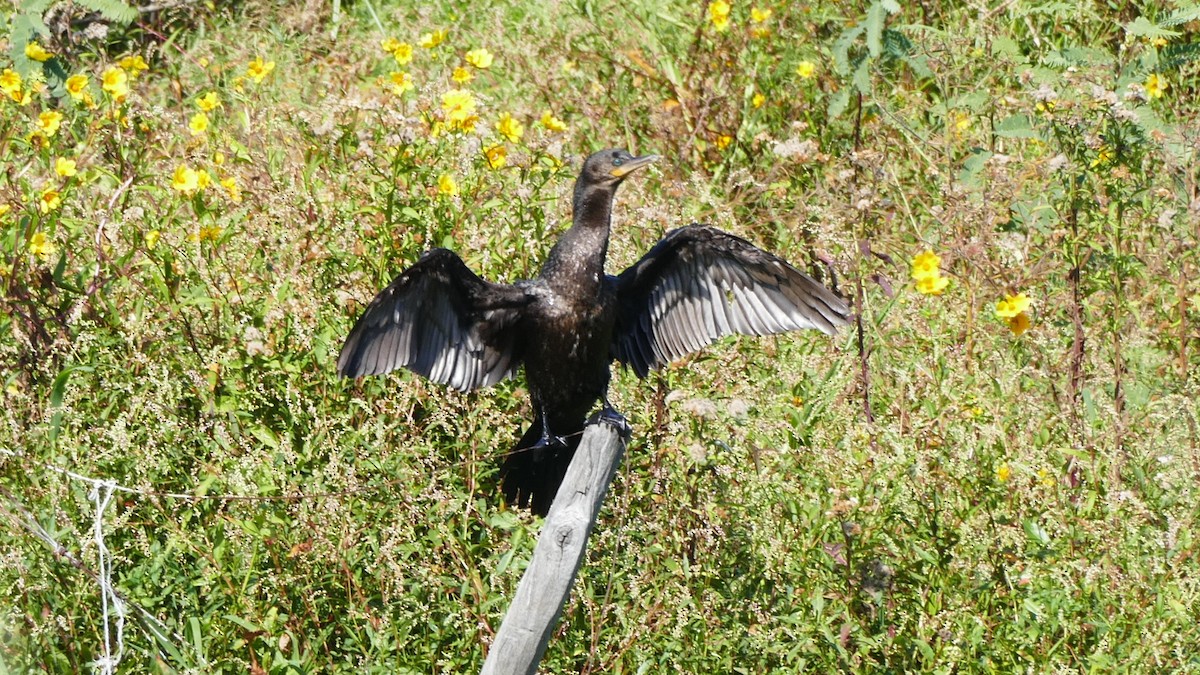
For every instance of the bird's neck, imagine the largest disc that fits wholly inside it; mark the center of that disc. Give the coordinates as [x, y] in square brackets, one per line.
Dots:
[576, 263]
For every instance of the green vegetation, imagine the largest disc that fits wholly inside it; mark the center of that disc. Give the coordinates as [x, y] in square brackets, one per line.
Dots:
[996, 471]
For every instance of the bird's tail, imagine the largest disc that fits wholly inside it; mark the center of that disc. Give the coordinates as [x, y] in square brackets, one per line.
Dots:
[531, 474]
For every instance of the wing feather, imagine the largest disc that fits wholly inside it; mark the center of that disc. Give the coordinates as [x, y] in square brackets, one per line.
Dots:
[441, 320]
[699, 284]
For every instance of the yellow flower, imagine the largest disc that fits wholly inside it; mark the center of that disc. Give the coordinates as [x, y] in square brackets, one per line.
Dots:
[806, 69]
[1104, 155]
[198, 124]
[446, 185]
[49, 200]
[203, 180]
[461, 75]
[1019, 324]
[1156, 85]
[208, 102]
[552, 123]
[218, 158]
[389, 44]
[258, 69]
[723, 141]
[185, 180]
[133, 64]
[1003, 473]
[65, 167]
[758, 100]
[152, 238]
[36, 52]
[4, 209]
[41, 246]
[10, 83]
[402, 53]
[459, 107]
[480, 58]
[1159, 42]
[759, 15]
[231, 186]
[210, 233]
[49, 122]
[496, 156]
[77, 86]
[1011, 306]
[115, 81]
[510, 128]
[431, 40]
[1046, 479]
[962, 120]
[401, 82]
[932, 285]
[926, 264]
[718, 14]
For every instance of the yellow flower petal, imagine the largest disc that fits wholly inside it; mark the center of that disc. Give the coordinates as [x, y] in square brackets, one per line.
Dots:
[480, 58]
[65, 167]
[258, 69]
[198, 124]
[77, 86]
[403, 53]
[496, 156]
[36, 52]
[552, 123]
[208, 102]
[510, 128]
[718, 14]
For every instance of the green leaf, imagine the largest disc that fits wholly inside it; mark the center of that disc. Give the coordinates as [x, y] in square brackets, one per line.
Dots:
[838, 103]
[1015, 126]
[973, 165]
[874, 24]
[1036, 533]
[266, 436]
[1143, 27]
[113, 10]
[841, 48]
[862, 77]
[1182, 16]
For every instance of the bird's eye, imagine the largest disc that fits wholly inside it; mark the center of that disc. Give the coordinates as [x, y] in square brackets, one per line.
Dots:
[617, 160]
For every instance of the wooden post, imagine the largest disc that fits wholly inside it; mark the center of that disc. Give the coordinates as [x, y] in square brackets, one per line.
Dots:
[547, 582]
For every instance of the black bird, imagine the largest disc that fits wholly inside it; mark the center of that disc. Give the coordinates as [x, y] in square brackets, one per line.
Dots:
[441, 320]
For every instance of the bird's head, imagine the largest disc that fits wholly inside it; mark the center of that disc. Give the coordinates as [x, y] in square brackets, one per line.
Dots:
[610, 167]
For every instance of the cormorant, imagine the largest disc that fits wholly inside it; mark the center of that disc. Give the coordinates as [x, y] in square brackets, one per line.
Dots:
[441, 320]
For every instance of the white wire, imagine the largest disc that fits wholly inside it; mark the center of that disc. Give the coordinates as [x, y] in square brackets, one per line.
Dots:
[101, 494]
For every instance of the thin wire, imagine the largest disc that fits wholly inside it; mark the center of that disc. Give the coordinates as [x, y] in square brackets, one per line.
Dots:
[101, 494]
[245, 498]
[25, 518]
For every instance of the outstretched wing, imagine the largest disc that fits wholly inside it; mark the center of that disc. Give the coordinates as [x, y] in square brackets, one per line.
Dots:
[441, 320]
[699, 284]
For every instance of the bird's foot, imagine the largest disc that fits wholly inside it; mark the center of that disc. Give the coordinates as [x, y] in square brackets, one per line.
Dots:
[609, 415]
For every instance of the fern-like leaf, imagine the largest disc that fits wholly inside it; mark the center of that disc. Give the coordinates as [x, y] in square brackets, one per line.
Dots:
[113, 10]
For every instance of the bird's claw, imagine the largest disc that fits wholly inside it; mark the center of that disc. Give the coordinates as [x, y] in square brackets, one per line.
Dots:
[609, 415]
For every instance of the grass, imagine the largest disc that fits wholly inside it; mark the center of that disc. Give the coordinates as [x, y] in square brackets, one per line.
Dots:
[928, 492]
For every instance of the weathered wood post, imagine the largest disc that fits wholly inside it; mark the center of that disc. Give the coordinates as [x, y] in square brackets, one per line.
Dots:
[547, 582]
